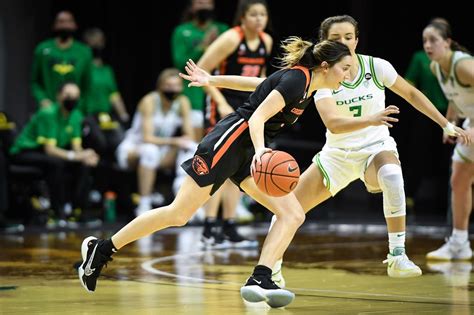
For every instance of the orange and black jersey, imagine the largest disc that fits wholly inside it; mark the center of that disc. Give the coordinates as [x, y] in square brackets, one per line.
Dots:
[243, 62]
[227, 150]
[293, 85]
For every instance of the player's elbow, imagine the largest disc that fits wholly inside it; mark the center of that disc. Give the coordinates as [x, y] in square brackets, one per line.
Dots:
[333, 126]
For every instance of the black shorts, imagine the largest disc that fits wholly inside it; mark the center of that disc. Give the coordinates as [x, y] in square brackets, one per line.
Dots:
[211, 114]
[225, 152]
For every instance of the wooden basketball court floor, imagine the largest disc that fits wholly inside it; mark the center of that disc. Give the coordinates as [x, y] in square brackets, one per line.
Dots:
[333, 269]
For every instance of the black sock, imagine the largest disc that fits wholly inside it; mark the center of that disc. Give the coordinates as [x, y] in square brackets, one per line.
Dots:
[262, 271]
[209, 224]
[107, 247]
[229, 223]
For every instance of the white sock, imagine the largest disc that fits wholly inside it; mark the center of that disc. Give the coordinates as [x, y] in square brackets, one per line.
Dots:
[396, 240]
[459, 236]
[145, 201]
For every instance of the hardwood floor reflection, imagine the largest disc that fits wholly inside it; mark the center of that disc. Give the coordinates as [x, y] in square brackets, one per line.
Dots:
[331, 271]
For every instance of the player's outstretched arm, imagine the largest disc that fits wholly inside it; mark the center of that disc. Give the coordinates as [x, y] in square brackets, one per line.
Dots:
[198, 77]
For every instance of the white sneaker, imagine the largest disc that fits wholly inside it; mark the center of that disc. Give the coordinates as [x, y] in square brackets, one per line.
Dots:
[142, 208]
[401, 266]
[277, 275]
[451, 250]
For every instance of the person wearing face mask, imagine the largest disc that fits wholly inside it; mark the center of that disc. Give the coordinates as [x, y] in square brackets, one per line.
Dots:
[150, 143]
[103, 105]
[189, 41]
[51, 140]
[60, 59]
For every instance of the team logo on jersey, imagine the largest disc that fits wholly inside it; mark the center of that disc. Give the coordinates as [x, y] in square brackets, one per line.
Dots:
[297, 111]
[368, 76]
[261, 51]
[200, 166]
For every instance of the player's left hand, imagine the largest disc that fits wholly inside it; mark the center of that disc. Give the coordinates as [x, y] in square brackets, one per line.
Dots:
[463, 136]
[257, 158]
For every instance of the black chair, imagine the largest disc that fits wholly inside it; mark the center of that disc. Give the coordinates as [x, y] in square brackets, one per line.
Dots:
[23, 181]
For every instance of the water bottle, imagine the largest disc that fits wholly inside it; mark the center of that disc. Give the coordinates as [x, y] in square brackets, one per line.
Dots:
[110, 213]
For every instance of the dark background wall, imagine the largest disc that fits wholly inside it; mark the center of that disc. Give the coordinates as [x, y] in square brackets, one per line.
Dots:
[138, 36]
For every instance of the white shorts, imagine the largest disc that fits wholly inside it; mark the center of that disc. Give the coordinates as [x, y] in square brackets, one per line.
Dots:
[464, 153]
[197, 118]
[340, 167]
[149, 155]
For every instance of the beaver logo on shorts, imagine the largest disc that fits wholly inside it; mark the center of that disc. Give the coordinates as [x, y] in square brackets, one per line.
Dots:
[200, 166]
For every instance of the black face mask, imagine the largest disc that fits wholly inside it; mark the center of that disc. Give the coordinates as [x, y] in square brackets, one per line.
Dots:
[97, 52]
[64, 34]
[170, 95]
[69, 104]
[204, 15]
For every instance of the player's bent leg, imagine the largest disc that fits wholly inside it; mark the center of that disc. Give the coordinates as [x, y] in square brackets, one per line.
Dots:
[259, 286]
[97, 252]
[310, 192]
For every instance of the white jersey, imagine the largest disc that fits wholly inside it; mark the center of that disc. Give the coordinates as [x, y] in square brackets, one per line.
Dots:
[363, 96]
[460, 95]
[164, 124]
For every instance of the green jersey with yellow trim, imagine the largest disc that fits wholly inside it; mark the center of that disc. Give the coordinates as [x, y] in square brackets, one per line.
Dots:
[49, 125]
[104, 87]
[52, 66]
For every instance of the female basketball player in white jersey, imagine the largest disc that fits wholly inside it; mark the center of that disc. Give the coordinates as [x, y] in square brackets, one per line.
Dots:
[364, 152]
[454, 67]
[358, 146]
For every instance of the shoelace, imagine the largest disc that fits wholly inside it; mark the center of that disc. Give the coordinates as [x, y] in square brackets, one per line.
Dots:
[402, 260]
[103, 259]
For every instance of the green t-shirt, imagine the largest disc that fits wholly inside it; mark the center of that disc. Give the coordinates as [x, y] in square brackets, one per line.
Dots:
[420, 75]
[49, 125]
[53, 66]
[185, 44]
[104, 86]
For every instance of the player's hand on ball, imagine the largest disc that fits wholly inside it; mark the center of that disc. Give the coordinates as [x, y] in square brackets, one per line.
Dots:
[257, 159]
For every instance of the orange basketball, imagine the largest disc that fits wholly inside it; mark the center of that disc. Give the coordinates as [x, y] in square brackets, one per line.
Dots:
[278, 174]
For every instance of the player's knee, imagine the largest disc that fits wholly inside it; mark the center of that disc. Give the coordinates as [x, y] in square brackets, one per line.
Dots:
[149, 156]
[294, 218]
[459, 182]
[390, 179]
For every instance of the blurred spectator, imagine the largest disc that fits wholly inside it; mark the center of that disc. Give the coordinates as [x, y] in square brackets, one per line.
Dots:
[102, 133]
[51, 140]
[60, 59]
[189, 41]
[151, 142]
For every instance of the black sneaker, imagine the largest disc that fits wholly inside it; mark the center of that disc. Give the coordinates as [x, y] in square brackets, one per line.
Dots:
[92, 263]
[236, 239]
[214, 240]
[261, 288]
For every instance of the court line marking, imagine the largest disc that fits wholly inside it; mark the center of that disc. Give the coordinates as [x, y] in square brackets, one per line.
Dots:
[148, 266]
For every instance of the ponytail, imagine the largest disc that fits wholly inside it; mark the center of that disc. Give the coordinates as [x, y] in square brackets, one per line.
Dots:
[298, 52]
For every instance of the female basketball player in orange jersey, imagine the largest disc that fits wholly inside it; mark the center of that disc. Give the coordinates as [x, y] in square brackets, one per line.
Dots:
[228, 151]
[243, 50]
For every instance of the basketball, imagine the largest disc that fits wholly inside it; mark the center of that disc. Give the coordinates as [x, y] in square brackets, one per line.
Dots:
[278, 174]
